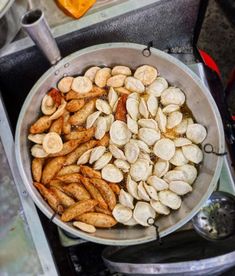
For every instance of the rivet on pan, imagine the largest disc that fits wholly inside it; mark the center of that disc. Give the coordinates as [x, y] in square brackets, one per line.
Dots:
[66, 65]
[65, 75]
[57, 72]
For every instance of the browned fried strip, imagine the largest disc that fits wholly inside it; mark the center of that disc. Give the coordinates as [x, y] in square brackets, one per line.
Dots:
[69, 169]
[56, 126]
[89, 172]
[51, 168]
[97, 219]
[83, 136]
[68, 147]
[77, 191]
[69, 178]
[104, 141]
[103, 211]
[64, 199]
[57, 183]
[75, 105]
[115, 187]
[121, 111]
[41, 125]
[66, 125]
[95, 92]
[37, 165]
[81, 115]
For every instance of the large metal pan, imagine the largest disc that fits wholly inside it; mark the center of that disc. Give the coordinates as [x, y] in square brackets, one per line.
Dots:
[199, 100]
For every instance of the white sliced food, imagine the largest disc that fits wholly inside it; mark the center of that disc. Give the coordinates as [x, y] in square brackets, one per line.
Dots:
[172, 95]
[131, 222]
[193, 153]
[142, 145]
[170, 108]
[190, 172]
[180, 187]
[126, 199]
[60, 110]
[96, 153]
[38, 151]
[150, 170]
[159, 207]
[112, 97]
[181, 141]
[170, 199]
[91, 72]
[139, 170]
[116, 152]
[120, 69]
[148, 123]
[161, 120]
[84, 158]
[178, 159]
[190, 121]
[134, 85]
[84, 226]
[132, 107]
[132, 187]
[157, 87]
[132, 125]
[149, 135]
[145, 156]
[121, 213]
[103, 161]
[64, 85]
[119, 133]
[174, 119]
[103, 106]
[48, 106]
[143, 108]
[115, 106]
[101, 127]
[112, 174]
[134, 95]
[116, 81]
[122, 165]
[52, 143]
[152, 104]
[196, 133]
[109, 120]
[164, 148]
[131, 151]
[81, 85]
[146, 74]
[102, 76]
[37, 138]
[142, 193]
[151, 191]
[143, 212]
[91, 119]
[175, 175]
[181, 128]
[161, 167]
[157, 183]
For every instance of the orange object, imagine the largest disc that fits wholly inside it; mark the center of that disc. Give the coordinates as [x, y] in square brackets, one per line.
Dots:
[75, 8]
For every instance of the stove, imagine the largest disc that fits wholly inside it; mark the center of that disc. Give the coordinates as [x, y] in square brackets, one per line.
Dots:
[171, 26]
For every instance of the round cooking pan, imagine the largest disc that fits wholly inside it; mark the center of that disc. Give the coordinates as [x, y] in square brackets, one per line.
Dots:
[199, 100]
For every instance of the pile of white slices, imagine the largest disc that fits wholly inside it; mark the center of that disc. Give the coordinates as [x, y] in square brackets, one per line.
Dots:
[153, 153]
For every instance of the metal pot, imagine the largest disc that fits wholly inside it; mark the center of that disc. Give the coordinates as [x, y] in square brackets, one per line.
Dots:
[199, 100]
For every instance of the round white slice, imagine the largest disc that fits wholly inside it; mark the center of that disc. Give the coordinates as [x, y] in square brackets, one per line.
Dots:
[148, 123]
[174, 119]
[157, 87]
[157, 183]
[143, 108]
[48, 106]
[189, 171]
[91, 119]
[112, 97]
[96, 153]
[120, 69]
[122, 165]
[81, 85]
[132, 125]
[145, 156]
[161, 120]
[193, 153]
[196, 133]
[84, 226]
[181, 128]
[102, 76]
[170, 199]
[170, 108]
[132, 107]
[91, 72]
[151, 191]
[132, 187]
[180, 142]
[142, 145]
[37, 138]
[161, 167]
[130, 222]
[164, 149]
[152, 104]
[180, 187]
[101, 127]
[59, 112]
[126, 199]
[103, 106]
[149, 136]
[64, 85]
[172, 95]
[38, 151]
[178, 159]
[116, 81]
[159, 207]
[134, 85]
[131, 152]
[109, 120]
[116, 152]
[121, 213]
[52, 143]
[146, 74]
[119, 133]
[143, 212]
[175, 175]
[112, 174]
[142, 193]
[139, 170]
[103, 161]
[84, 158]
[134, 95]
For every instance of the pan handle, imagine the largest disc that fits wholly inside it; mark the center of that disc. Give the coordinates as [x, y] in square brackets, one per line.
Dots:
[34, 23]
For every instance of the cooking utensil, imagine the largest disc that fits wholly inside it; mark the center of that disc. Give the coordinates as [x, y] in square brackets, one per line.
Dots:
[216, 220]
[199, 101]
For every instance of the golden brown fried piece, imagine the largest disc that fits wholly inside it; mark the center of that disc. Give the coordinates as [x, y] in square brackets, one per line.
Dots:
[83, 136]
[37, 165]
[94, 193]
[67, 148]
[73, 156]
[41, 125]
[104, 141]
[115, 187]
[105, 191]
[77, 191]
[89, 172]
[56, 96]
[97, 219]
[57, 125]
[78, 209]
[57, 183]
[64, 199]
[75, 105]
[69, 169]
[103, 211]
[50, 197]
[66, 125]
[121, 111]
[69, 178]
[51, 168]
[95, 92]
[81, 115]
